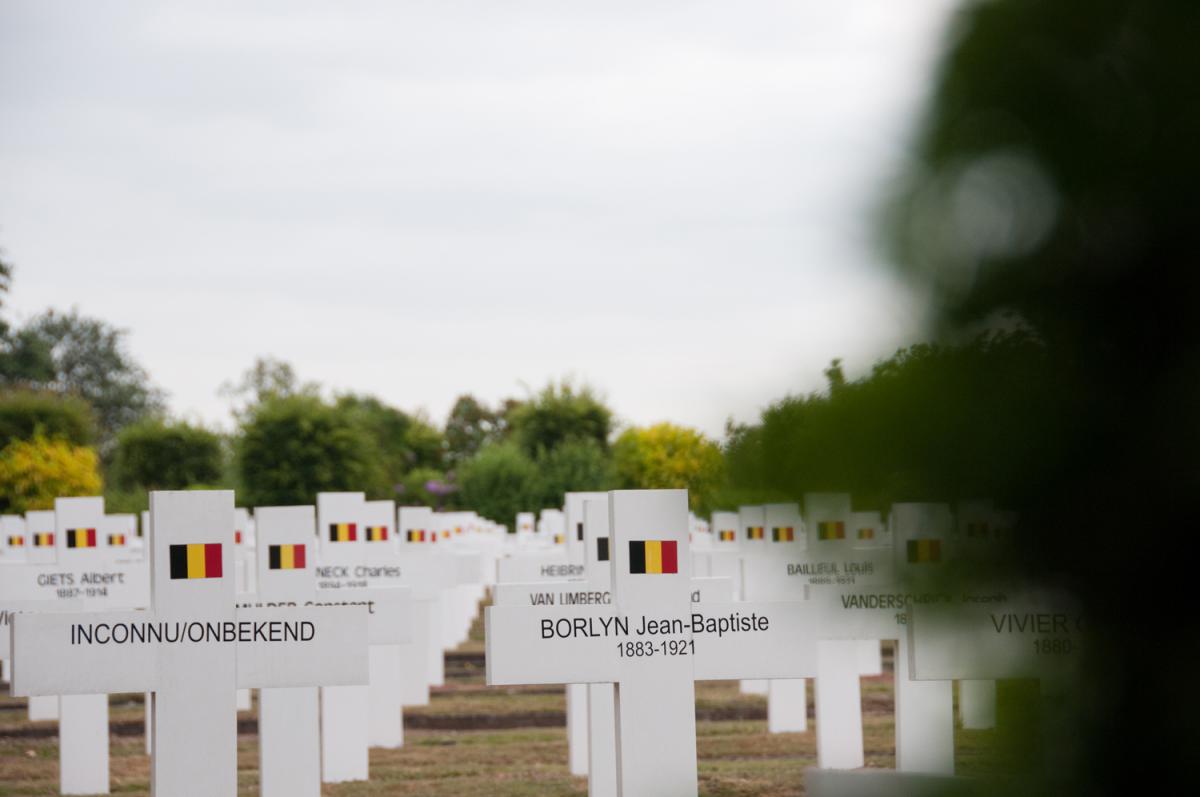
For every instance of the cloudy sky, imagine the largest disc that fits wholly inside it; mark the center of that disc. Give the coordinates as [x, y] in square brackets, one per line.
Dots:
[669, 200]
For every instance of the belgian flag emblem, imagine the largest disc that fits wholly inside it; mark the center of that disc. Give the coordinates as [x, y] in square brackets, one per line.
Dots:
[343, 532]
[116, 540]
[866, 533]
[199, 560]
[559, 539]
[237, 538]
[653, 557]
[81, 538]
[43, 540]
[445, 534]
[977, 529]
[727, 535]
[783, 534]
[924, 551]
[16, 541]
[377, 533]
[415, 535]
[602, 549]
[831, 530]
[754, 532]
[285, 557]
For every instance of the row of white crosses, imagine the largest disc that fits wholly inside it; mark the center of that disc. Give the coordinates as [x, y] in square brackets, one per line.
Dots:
[441, 560]
[74, 557]
[864, 585]
[848, 568]
[192, 648]
[360, 522]
[580, 576]
[650, 643]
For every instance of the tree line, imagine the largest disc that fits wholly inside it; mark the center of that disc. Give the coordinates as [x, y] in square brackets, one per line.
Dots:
[79, 416]
[931, 422]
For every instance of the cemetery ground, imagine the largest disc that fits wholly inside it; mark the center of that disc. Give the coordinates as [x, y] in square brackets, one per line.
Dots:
[472, 740]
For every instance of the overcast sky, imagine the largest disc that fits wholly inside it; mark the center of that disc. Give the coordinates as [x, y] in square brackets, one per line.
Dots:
[669, 200]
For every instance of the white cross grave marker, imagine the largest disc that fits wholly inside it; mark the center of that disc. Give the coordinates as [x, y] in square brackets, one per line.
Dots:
[1007, 633]
[787, 700]
[652, 643]
[342, 569]
[192, 649]
[577, 694]
[975, 538]
[752, 536]
[289, 731]
[385, 693]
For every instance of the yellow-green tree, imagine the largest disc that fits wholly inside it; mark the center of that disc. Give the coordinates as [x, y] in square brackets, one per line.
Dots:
[35, 472]
[666, 456]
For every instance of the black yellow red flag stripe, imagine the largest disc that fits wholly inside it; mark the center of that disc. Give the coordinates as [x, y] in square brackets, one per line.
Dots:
[866, 533]
[783, 534]
[81, 538]
[116, 540]
[343, 532]
[653, 556]
[377, 533]
[43, 539]
[16, 540]
[415, 535]
[726, 535]
[831, 530]
[754, 532]
[286, 557]
[924, 551]
[198, 560]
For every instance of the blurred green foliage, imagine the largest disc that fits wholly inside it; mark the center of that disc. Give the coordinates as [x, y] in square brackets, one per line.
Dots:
[931, 423]
[160, 455]
[414, 489]
[403, 441]
[26, 413]
[1055, 185]
[35, 472]
[526, 455]
[499, 481]
[577, 464]
[290, 448]
[559, 413]
[667, 456]
[471, 425]
[72, 355]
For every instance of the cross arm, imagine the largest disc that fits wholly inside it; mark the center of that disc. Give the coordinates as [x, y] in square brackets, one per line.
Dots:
[527, 645]
[107, 652]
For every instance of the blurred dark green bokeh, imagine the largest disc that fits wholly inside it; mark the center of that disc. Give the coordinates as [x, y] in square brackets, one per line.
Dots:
[1056, 188]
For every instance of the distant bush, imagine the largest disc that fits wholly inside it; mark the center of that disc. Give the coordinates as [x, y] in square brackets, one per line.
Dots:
[35, 472]
[575, 465]
[26, 413]
[293, 447]
[157, 455]
[666, 456]
[498, 482]
[560, 412]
